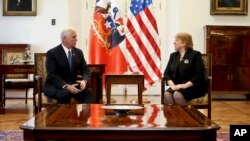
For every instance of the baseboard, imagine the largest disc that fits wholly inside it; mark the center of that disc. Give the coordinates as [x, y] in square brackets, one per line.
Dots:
[229, 97]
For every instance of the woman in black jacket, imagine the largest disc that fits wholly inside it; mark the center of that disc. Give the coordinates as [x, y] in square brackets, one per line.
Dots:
[185, 72]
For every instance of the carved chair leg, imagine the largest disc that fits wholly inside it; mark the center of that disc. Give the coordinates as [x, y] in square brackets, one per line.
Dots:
[26, 95]
[4, 97]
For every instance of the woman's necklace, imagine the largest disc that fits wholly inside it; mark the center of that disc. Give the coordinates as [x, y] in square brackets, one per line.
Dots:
[181, 57]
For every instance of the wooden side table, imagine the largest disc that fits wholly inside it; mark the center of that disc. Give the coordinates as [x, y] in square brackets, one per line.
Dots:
[124, 79]
[11, 69]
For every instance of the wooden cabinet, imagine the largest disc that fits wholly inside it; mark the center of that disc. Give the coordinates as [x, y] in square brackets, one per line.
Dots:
[230, 49]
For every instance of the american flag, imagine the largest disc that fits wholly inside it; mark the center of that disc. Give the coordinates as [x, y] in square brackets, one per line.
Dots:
[142, 41]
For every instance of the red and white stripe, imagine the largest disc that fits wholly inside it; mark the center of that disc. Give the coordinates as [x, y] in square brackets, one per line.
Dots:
[142, 45]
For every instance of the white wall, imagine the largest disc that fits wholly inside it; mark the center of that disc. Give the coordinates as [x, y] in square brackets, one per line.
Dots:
[172, 15]
[191, 16]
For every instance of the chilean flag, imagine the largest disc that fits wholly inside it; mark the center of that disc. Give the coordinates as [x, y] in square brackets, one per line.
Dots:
[107, 37]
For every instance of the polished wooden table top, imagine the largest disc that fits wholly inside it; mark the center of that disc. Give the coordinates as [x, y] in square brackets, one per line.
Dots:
[159, 117]
[153, 122]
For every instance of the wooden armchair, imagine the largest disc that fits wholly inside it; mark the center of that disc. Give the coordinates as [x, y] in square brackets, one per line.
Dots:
[13, 69]
[40, 100]
[201, 102]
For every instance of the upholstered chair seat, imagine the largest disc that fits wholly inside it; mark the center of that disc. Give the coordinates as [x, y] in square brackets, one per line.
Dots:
[46, 100]
[199, 101]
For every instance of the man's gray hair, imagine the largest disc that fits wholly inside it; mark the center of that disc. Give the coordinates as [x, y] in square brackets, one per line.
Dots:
[66, 32]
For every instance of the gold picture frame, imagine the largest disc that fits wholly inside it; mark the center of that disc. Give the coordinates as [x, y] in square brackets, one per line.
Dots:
[13, 57]
[228, 7]
[19, 7]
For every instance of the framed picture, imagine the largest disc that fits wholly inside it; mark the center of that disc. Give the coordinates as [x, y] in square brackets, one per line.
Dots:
[229, 7]
[19, 7]
[13, 57]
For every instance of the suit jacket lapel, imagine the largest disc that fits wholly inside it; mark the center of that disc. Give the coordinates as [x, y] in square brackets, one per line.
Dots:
[64, 57]
[73, 58]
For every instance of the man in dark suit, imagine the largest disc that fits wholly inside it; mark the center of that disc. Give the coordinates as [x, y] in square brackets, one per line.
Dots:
[63, 63]
[19, 5]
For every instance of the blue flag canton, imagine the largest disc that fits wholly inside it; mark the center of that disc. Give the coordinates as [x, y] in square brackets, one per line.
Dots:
[139, 5]
[113, 23]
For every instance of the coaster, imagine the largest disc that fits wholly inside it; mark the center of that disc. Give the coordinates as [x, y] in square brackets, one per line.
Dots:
[135, 101]
[112, 100]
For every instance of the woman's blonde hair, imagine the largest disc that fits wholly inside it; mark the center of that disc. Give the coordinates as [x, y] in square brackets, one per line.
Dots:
[185, 38]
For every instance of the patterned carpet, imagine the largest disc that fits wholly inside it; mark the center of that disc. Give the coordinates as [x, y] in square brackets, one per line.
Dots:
[11, 136]
[223, 136]
[18, 136]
